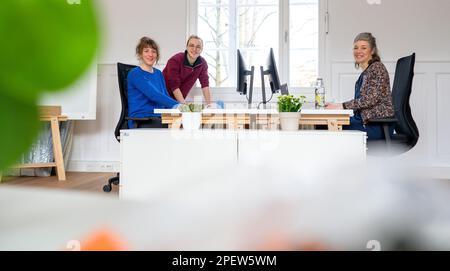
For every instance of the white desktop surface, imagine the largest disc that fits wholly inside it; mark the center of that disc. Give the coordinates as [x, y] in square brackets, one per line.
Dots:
[251, 111]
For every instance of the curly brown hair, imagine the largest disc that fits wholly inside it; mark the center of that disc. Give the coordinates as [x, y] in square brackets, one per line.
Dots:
[146, 42]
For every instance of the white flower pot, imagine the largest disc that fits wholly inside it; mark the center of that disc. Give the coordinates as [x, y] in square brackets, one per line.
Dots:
[191, 120]
[289, 121]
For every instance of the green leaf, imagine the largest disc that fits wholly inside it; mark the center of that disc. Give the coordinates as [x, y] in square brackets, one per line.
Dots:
[197, 107]
[288, 103]
[190, 107]
[184, 108]
[47, 44]
[20, 125]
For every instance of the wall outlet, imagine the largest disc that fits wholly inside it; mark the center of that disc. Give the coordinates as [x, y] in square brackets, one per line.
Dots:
[107, 166]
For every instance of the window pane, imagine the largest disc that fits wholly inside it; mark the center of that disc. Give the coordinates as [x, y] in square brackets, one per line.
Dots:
[303, 67]
[253, 27]
[258, 27]
[258, 32]
[213, 2]
[257, 2]
[302, 2]
[213, 27]
[218, 67]
[304, 42]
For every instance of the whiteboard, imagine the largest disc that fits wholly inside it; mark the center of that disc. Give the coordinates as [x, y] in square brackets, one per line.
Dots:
[79, 100]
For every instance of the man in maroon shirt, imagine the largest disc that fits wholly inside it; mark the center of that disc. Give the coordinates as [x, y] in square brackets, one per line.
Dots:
[183, 70]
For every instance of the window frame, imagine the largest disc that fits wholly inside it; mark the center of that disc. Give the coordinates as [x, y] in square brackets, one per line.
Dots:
[283, 57]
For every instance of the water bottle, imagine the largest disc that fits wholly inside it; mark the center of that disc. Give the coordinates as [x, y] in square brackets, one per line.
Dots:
[319, 94]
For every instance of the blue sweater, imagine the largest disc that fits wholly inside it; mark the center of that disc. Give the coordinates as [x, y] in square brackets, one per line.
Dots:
[146, 92]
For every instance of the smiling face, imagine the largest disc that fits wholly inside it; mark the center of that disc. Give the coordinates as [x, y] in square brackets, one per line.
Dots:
[194, 48]
[149, 56]
[362, 52]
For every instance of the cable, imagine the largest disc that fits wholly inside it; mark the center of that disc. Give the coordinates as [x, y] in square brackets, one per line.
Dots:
[271, 96]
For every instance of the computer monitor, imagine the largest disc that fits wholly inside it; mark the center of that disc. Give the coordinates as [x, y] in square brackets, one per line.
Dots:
[242, 73]
[272, 73]
[274, 79]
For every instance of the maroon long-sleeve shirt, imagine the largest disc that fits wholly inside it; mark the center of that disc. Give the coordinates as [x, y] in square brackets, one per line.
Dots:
[178, 73]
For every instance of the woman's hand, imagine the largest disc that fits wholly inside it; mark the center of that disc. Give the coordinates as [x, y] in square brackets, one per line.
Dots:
[333, 106]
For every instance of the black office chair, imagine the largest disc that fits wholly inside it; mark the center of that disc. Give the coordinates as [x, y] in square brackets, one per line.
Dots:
[406, 133]
[122, 73]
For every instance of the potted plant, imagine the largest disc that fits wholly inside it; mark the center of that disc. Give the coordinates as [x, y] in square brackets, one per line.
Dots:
[191, 116]
[289, 111]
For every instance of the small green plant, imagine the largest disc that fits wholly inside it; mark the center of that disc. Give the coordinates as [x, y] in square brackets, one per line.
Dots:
[288, 103]
[191, 107]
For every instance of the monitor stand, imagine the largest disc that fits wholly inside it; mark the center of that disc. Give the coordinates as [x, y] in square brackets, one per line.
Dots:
[250, 91]
[263, 88]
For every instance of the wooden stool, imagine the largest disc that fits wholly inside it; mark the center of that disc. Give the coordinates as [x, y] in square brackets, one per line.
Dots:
[52, 114]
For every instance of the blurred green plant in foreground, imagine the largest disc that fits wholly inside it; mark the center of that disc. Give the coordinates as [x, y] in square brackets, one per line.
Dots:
[45, 46]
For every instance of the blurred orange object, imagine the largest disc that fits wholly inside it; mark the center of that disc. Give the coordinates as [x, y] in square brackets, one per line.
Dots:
[103, 240]
[276, 241]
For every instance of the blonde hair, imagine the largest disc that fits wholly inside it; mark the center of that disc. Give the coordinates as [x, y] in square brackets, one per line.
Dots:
[193, 37]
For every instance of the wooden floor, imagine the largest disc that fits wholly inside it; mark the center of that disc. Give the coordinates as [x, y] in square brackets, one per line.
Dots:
[80, 181]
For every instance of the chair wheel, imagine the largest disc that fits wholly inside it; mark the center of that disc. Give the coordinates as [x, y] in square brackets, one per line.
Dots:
[107, 188]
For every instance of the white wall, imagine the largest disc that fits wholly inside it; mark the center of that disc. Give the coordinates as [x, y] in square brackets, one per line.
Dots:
[401, 27]
[125, 22]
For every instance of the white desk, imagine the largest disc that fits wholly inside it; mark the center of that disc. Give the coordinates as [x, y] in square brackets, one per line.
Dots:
[154, 162]
[254, 111]
[242, 117]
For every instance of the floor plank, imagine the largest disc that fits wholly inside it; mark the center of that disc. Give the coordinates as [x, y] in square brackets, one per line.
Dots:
[80, 181]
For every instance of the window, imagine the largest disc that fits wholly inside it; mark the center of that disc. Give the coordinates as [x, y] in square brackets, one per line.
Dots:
[254, 26]
[303, 42]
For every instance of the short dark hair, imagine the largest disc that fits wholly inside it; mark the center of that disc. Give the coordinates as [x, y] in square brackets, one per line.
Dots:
[146, 42]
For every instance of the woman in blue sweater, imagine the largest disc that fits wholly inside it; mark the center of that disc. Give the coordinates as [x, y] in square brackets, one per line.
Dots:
[146, 86]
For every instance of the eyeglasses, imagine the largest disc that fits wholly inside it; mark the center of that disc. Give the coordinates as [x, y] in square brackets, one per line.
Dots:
[198, 47]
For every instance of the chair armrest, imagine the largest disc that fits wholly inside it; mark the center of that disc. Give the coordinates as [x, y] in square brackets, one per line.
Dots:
[382, 121]
[137, 121]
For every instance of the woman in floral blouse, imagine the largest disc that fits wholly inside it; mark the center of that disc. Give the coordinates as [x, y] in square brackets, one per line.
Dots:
[372, 89]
